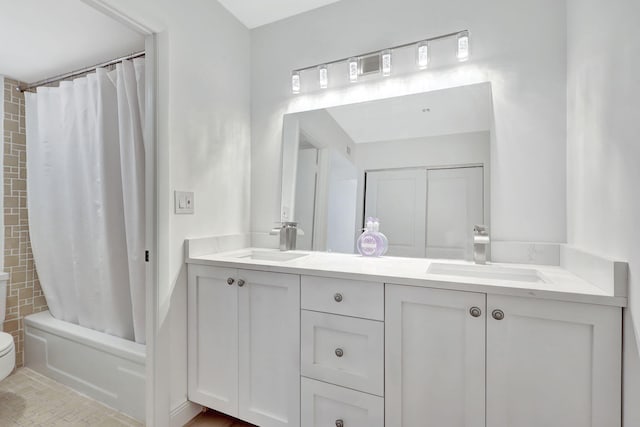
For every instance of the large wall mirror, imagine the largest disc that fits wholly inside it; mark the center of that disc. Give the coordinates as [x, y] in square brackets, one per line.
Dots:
[419, 163]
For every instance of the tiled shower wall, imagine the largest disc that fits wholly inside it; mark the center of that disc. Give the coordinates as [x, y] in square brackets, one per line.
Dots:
[24, 295]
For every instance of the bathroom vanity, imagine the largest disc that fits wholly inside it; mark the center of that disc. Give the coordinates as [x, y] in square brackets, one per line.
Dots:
[323, 337]
[316, 339]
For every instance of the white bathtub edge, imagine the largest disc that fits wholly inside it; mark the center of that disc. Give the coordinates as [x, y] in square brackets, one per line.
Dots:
[99, 340]
[103, 367]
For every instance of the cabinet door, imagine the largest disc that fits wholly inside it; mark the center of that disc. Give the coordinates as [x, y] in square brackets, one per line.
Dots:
[269, 348]
[213, 338]
[434, 358]
[552, 364]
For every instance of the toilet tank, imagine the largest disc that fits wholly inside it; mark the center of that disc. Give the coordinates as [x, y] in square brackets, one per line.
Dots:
[4, 278]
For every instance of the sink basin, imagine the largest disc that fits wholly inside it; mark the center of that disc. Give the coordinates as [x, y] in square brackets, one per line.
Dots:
[489, 272]
[266, 255]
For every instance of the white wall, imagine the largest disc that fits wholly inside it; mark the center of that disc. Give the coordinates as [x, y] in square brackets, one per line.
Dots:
[320, 130]
[204, 143]
[210, 143]
[325, 132]
[445, 150]
[526, 66]
[603, 152]
[2, 175]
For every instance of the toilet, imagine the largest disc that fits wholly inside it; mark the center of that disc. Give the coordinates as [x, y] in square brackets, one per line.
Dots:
[7, 348]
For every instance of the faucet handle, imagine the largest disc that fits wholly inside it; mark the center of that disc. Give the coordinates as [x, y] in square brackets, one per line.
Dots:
[481, 229]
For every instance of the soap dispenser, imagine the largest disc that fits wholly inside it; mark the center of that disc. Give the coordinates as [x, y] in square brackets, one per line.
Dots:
[369, 243]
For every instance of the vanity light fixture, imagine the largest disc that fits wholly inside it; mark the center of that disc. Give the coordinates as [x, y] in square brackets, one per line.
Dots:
[386, 62]
[463, 46]
[422, 52]
[323, 76]
[380, 62]
[295, 82]
[353, 70]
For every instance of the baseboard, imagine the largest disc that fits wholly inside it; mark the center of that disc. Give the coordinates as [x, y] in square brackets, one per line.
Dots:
[184, 413]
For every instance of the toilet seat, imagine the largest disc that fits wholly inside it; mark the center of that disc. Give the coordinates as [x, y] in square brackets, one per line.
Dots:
[6, 344]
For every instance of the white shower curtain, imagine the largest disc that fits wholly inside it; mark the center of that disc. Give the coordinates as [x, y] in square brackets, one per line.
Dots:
[85, 192]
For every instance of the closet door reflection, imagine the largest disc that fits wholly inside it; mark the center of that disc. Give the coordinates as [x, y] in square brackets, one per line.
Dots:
[399, 199]
[427, 212]
[454, 205]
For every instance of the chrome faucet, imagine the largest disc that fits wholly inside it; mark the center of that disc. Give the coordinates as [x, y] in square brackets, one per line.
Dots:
[481, 243]
[288, 232]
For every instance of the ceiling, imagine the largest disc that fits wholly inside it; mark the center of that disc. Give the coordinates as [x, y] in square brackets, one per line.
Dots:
[254, 13]
[43, 38]
[442, 112]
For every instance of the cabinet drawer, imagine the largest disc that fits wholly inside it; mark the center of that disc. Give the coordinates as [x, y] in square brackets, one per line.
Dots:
[343, 350]
[324, 405]
[348, 297]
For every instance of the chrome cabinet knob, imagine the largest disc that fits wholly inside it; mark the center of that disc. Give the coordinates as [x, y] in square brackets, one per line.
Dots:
[338, 297]
[339, 352]
[497, 314]
[230, 281]
[241, 283]
[339, 423]
[475, 311]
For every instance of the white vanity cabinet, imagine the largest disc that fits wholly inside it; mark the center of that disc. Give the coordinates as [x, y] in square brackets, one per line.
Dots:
[546, 363]
[342, 353]
[435, 357]
[244, 344]
[552, 363]
[321, 349]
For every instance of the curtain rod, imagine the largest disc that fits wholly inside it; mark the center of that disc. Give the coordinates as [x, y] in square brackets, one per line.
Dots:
[79, 72]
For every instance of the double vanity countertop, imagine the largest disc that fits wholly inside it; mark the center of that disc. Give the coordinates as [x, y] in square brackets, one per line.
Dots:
[524, 280]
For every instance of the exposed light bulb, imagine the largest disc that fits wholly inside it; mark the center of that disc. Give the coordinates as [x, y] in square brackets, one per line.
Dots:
[463, 46]
[386, 62]
[423, 55]
[295, 82]
[323, 76]
[353, 70]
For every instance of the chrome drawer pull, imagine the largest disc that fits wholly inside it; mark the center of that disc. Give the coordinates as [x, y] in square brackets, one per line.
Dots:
[498, 314]
[339, 352]
[338, 297]
[339, 423]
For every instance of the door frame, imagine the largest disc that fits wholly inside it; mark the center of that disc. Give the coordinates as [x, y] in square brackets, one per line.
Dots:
[156, 229]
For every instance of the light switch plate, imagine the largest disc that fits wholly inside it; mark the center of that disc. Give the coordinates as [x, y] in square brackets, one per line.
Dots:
[184, 202]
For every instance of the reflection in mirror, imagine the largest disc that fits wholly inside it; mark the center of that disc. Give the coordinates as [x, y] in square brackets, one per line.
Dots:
[419, 163]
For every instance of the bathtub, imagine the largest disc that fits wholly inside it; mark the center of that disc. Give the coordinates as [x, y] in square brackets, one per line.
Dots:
[106, 368]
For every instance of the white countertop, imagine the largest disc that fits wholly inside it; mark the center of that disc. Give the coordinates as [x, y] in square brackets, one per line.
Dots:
[560, 284]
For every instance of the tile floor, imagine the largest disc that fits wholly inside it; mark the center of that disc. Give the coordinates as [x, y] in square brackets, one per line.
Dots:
[30, 399]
